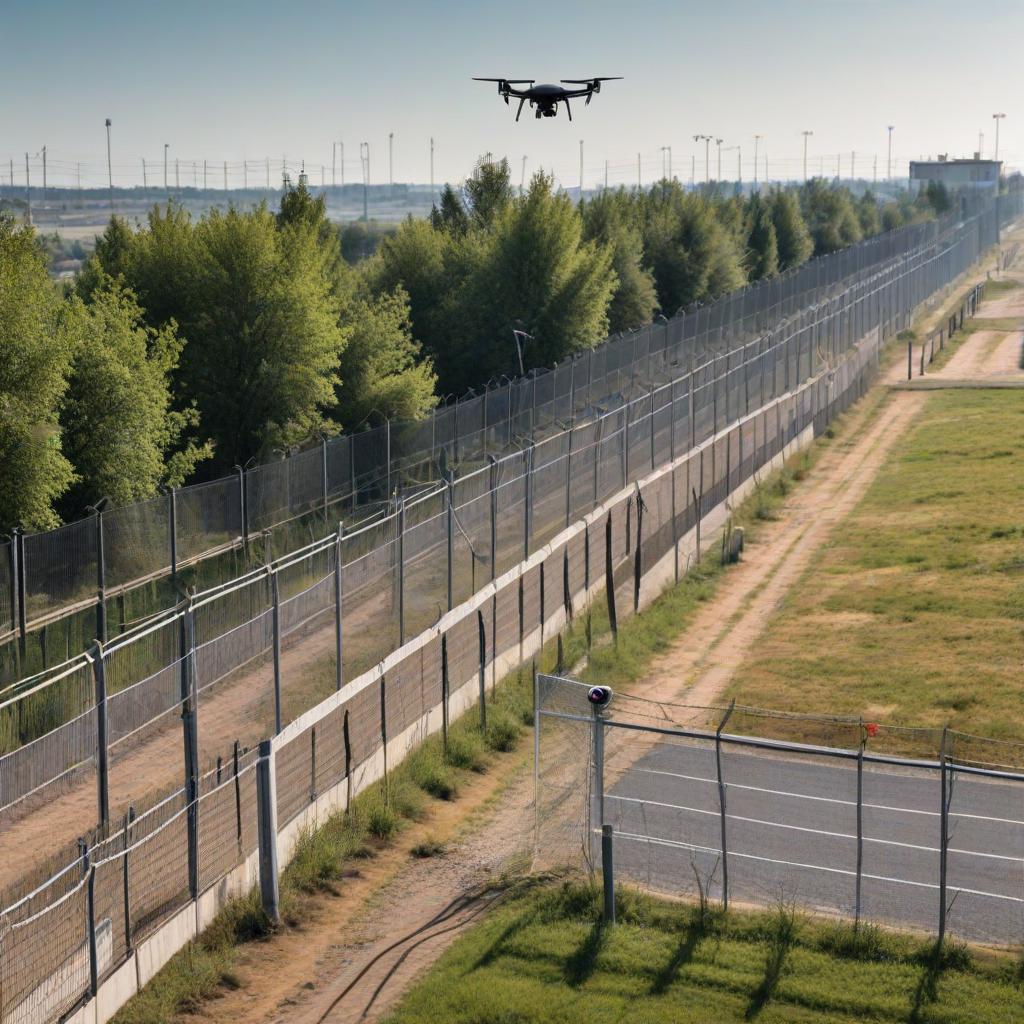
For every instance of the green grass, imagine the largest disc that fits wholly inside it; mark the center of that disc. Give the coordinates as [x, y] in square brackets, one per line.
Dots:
[915, 611]
[544, 956]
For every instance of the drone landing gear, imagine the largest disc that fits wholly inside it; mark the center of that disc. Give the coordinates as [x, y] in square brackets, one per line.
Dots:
[520, 110]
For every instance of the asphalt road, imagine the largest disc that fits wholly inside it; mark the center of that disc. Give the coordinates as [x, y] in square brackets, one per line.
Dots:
[791, 828]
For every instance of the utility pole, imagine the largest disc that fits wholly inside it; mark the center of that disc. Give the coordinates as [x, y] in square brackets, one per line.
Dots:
[391, 163]
[639, 183]
[364, 160]
[204, 174]
[268, 172]
[606, 175]
[757, 139]
[853, 165]
[581, 170]
[334, 163]
[431, 164]
[28, 192]
[888, 159]
[225, 175]
[707, 142]
[981, 144]
[718, 173]
[44, 168]
[245, 175]
[693, 169]
[144, 182]
[806, 136]
[874, 170]
[166, 145]
[522, 177]
[995, 156]
[341, 155]
[110, 170]
[177, 175]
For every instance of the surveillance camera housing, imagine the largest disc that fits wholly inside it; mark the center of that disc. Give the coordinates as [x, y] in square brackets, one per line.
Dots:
[599, 696]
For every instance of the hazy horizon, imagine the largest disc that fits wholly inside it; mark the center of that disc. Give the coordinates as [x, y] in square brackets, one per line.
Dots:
[244, 82]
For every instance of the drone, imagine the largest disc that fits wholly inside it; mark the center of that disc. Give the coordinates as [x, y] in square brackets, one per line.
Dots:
[547, 97]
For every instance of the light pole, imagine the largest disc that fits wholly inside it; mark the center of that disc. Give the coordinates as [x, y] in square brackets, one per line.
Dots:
[757, 139]
[391, 163]
[110, 170]
[166, 146]
[806, 136]
[431, 164]
[581, 170]
[718, 173]
[888, 158]
[334, 164]
[522, 177]
[707, 156]
[997, 118]
[145, 184]
[341, 161]
[639, 179]
[364, 160]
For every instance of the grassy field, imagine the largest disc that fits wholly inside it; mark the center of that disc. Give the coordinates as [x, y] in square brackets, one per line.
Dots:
[544, 956]
[915, 611]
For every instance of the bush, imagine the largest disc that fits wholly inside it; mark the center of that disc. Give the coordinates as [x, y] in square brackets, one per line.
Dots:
[503, 731]
[432, 774]
[466, 750]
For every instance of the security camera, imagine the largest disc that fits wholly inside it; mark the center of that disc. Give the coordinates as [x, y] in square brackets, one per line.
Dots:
[599, 696]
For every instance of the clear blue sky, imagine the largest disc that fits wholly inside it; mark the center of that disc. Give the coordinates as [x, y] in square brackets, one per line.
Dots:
[228, 80]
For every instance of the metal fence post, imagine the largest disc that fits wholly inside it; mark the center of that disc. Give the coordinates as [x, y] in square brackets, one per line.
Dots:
[638, 554]
[568, 482]
[275, 600]
[943, 836]
[266, 824]
[625, 445]
[126, 881]
[90, 902]
[482, 639]
[528, 502]
[450, 524]
[17, 558]
[444, 691]
[609, 574]
[235, 754]
[387, 456]
[101, 582]
[401, 571]
[243, 510]
[339, 590]
[860, 825]
[722, 804]
[597, 739]
[172, 516]
[608, 872]
[323, 453]
[102, 747]
[190, 728]
[493, 481]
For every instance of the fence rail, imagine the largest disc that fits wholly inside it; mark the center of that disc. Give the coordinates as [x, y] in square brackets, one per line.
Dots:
[56, 587]
[931, 843]
[362, 642]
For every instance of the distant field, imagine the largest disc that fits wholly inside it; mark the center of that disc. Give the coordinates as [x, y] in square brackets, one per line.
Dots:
[543, 957]
[915, 611]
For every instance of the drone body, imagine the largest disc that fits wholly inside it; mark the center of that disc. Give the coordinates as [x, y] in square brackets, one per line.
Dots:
[545, 98]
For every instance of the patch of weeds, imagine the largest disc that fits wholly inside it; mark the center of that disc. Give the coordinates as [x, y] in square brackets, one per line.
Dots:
[429, 847]
[429, 770]
[466, 750]
[503, 731]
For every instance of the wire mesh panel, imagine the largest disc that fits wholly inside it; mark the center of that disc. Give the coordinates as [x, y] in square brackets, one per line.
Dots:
[136, 541]
[207, 516]
[44, 959]
[60, 566]
[7, 589]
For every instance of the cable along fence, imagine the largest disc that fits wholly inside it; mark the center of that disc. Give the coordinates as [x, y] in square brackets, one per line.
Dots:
[331, 638]
[719, 803]
[89, 579]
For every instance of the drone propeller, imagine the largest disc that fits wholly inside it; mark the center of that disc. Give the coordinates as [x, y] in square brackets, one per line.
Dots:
[508, 81]
[587, 81]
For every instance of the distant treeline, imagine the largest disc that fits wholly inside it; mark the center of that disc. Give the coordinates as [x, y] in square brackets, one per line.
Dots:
[186, 347]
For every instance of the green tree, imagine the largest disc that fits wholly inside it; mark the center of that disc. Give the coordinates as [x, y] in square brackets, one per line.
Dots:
[381, 370]
[120, 431]
[611, 220]
[831, 216]
[868, 215]
[762, 245]
[451, 216]
[33, 378]
[794, 241]
[488, 190]
[692, 257]
[263, 334]
[535, 272]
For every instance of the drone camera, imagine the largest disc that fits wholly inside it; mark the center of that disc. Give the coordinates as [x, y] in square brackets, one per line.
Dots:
[599, 696]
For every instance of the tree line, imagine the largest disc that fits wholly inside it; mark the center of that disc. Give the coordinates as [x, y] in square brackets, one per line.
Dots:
[186, 347]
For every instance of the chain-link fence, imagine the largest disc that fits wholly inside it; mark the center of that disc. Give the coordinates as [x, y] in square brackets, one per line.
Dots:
[119, 565]
[358, 638]
[897, 827]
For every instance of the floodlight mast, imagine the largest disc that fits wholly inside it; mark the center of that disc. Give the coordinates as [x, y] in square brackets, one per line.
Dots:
[707, 156]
